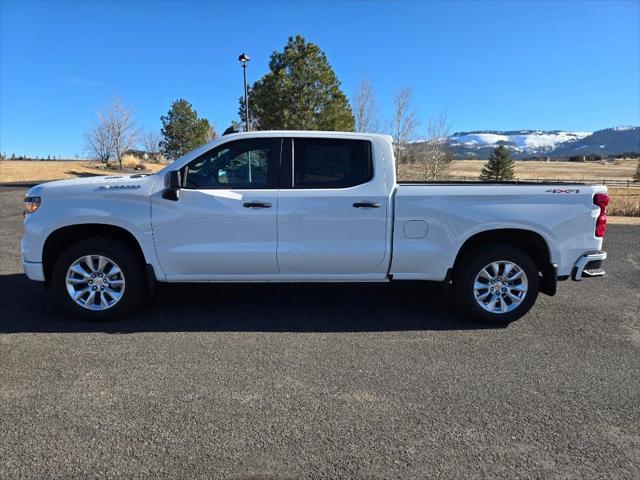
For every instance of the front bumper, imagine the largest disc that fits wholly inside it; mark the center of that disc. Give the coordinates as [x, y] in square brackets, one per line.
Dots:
[589, 265]
[34, 271]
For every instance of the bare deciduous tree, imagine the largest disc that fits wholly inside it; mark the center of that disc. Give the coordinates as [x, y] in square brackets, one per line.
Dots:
[118, 119]
[433, 156]
[404, 122]
[99, 143]
[113, 133]
[211, 133]
[151, 142]
[365, 109]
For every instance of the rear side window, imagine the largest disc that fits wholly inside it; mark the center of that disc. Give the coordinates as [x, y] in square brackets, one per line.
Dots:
[329, 163]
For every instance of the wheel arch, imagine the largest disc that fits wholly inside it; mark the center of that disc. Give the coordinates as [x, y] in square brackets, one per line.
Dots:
[61, 238]
[532, 243]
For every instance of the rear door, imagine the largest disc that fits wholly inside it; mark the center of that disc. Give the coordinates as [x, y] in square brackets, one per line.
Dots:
[224, 222]
[332, 214]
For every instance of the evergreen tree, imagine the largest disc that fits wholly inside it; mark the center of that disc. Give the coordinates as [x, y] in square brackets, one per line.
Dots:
[182, 130]
[636, 176]
[300, 92]
[499, 167]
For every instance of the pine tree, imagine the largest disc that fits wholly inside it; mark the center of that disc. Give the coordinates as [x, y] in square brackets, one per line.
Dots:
[636, 176]
[182, 130]
[499, 167]
[301, 92]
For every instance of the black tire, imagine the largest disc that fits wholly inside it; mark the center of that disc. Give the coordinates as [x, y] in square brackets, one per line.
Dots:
[470, 266]
[130, 264]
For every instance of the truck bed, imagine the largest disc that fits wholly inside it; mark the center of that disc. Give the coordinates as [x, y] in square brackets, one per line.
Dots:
[432, 220]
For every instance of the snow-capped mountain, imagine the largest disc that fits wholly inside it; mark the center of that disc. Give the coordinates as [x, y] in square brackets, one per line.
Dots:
[521, 141]
[554, 143]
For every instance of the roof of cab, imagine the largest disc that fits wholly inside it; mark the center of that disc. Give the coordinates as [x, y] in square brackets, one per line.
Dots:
[308, 133]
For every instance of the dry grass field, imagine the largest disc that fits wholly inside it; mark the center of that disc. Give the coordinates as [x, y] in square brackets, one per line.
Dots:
[587, 171]
[27, 171]
[19, 171]
[624, 202]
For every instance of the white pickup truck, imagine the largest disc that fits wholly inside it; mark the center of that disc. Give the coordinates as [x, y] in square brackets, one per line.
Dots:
[292, 206]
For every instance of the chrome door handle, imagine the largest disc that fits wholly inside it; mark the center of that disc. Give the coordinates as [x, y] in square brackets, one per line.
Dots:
[366, 205]
[256, 205]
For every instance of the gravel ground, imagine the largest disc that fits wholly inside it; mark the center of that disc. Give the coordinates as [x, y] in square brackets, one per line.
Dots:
[321, 381]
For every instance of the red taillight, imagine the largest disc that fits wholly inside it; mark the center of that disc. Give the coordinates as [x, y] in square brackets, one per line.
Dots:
[601, 200]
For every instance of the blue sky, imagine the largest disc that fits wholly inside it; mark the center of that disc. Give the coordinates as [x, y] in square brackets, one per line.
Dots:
[488, 65]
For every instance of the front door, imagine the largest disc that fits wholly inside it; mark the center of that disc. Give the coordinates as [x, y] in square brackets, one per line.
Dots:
[332, 210]
[224, 222]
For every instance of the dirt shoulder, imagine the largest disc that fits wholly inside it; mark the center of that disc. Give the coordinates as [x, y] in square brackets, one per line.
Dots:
[616, 220]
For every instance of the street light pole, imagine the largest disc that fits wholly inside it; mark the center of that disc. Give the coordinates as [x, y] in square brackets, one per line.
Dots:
[244, 59]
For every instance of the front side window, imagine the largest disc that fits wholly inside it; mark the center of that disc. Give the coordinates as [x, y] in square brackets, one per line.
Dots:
[243, 164]
[331, 163]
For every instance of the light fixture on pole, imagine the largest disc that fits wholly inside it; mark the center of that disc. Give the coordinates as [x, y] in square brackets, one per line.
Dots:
[244, 58]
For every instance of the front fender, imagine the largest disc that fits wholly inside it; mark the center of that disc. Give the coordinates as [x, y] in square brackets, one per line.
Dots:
[129, 212]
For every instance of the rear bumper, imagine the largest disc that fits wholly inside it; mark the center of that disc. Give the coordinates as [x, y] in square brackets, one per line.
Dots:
[589, 265]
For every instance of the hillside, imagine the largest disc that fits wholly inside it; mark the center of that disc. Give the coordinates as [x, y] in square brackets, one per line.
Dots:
[552, 143]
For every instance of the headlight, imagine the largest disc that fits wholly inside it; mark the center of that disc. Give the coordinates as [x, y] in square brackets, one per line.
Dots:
[31, 204]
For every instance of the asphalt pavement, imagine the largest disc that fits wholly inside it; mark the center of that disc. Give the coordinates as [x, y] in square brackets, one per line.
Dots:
[320, 381]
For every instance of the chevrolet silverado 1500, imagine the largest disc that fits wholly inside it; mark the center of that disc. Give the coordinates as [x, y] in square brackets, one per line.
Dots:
[292, 206]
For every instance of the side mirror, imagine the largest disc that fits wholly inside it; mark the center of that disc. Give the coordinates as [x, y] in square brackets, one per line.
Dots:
[172, 184]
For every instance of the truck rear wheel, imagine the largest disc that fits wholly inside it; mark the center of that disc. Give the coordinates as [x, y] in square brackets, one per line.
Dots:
[99, 279]
[496, 284]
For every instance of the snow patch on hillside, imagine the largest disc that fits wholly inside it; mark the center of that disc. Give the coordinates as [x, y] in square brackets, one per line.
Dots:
[532, 141]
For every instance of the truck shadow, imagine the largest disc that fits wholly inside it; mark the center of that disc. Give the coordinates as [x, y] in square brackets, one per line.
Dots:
[25, 306]
[77, 174]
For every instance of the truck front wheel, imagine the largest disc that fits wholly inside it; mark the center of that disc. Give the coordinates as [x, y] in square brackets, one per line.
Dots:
[496, 284]
[99, 279]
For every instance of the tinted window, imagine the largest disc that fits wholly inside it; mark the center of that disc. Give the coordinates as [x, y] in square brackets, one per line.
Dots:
[239, 164]
[328, 163]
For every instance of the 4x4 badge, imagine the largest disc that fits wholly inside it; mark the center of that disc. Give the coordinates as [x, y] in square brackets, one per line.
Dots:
[563, 190]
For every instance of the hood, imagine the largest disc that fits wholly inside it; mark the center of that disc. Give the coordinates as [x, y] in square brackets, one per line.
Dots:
[110, 183]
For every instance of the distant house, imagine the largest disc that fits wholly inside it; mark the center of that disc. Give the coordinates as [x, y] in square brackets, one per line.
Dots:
[143, 155]
[137, 154]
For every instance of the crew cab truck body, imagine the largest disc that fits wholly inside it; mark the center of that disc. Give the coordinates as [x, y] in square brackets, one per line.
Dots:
[293, 206]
